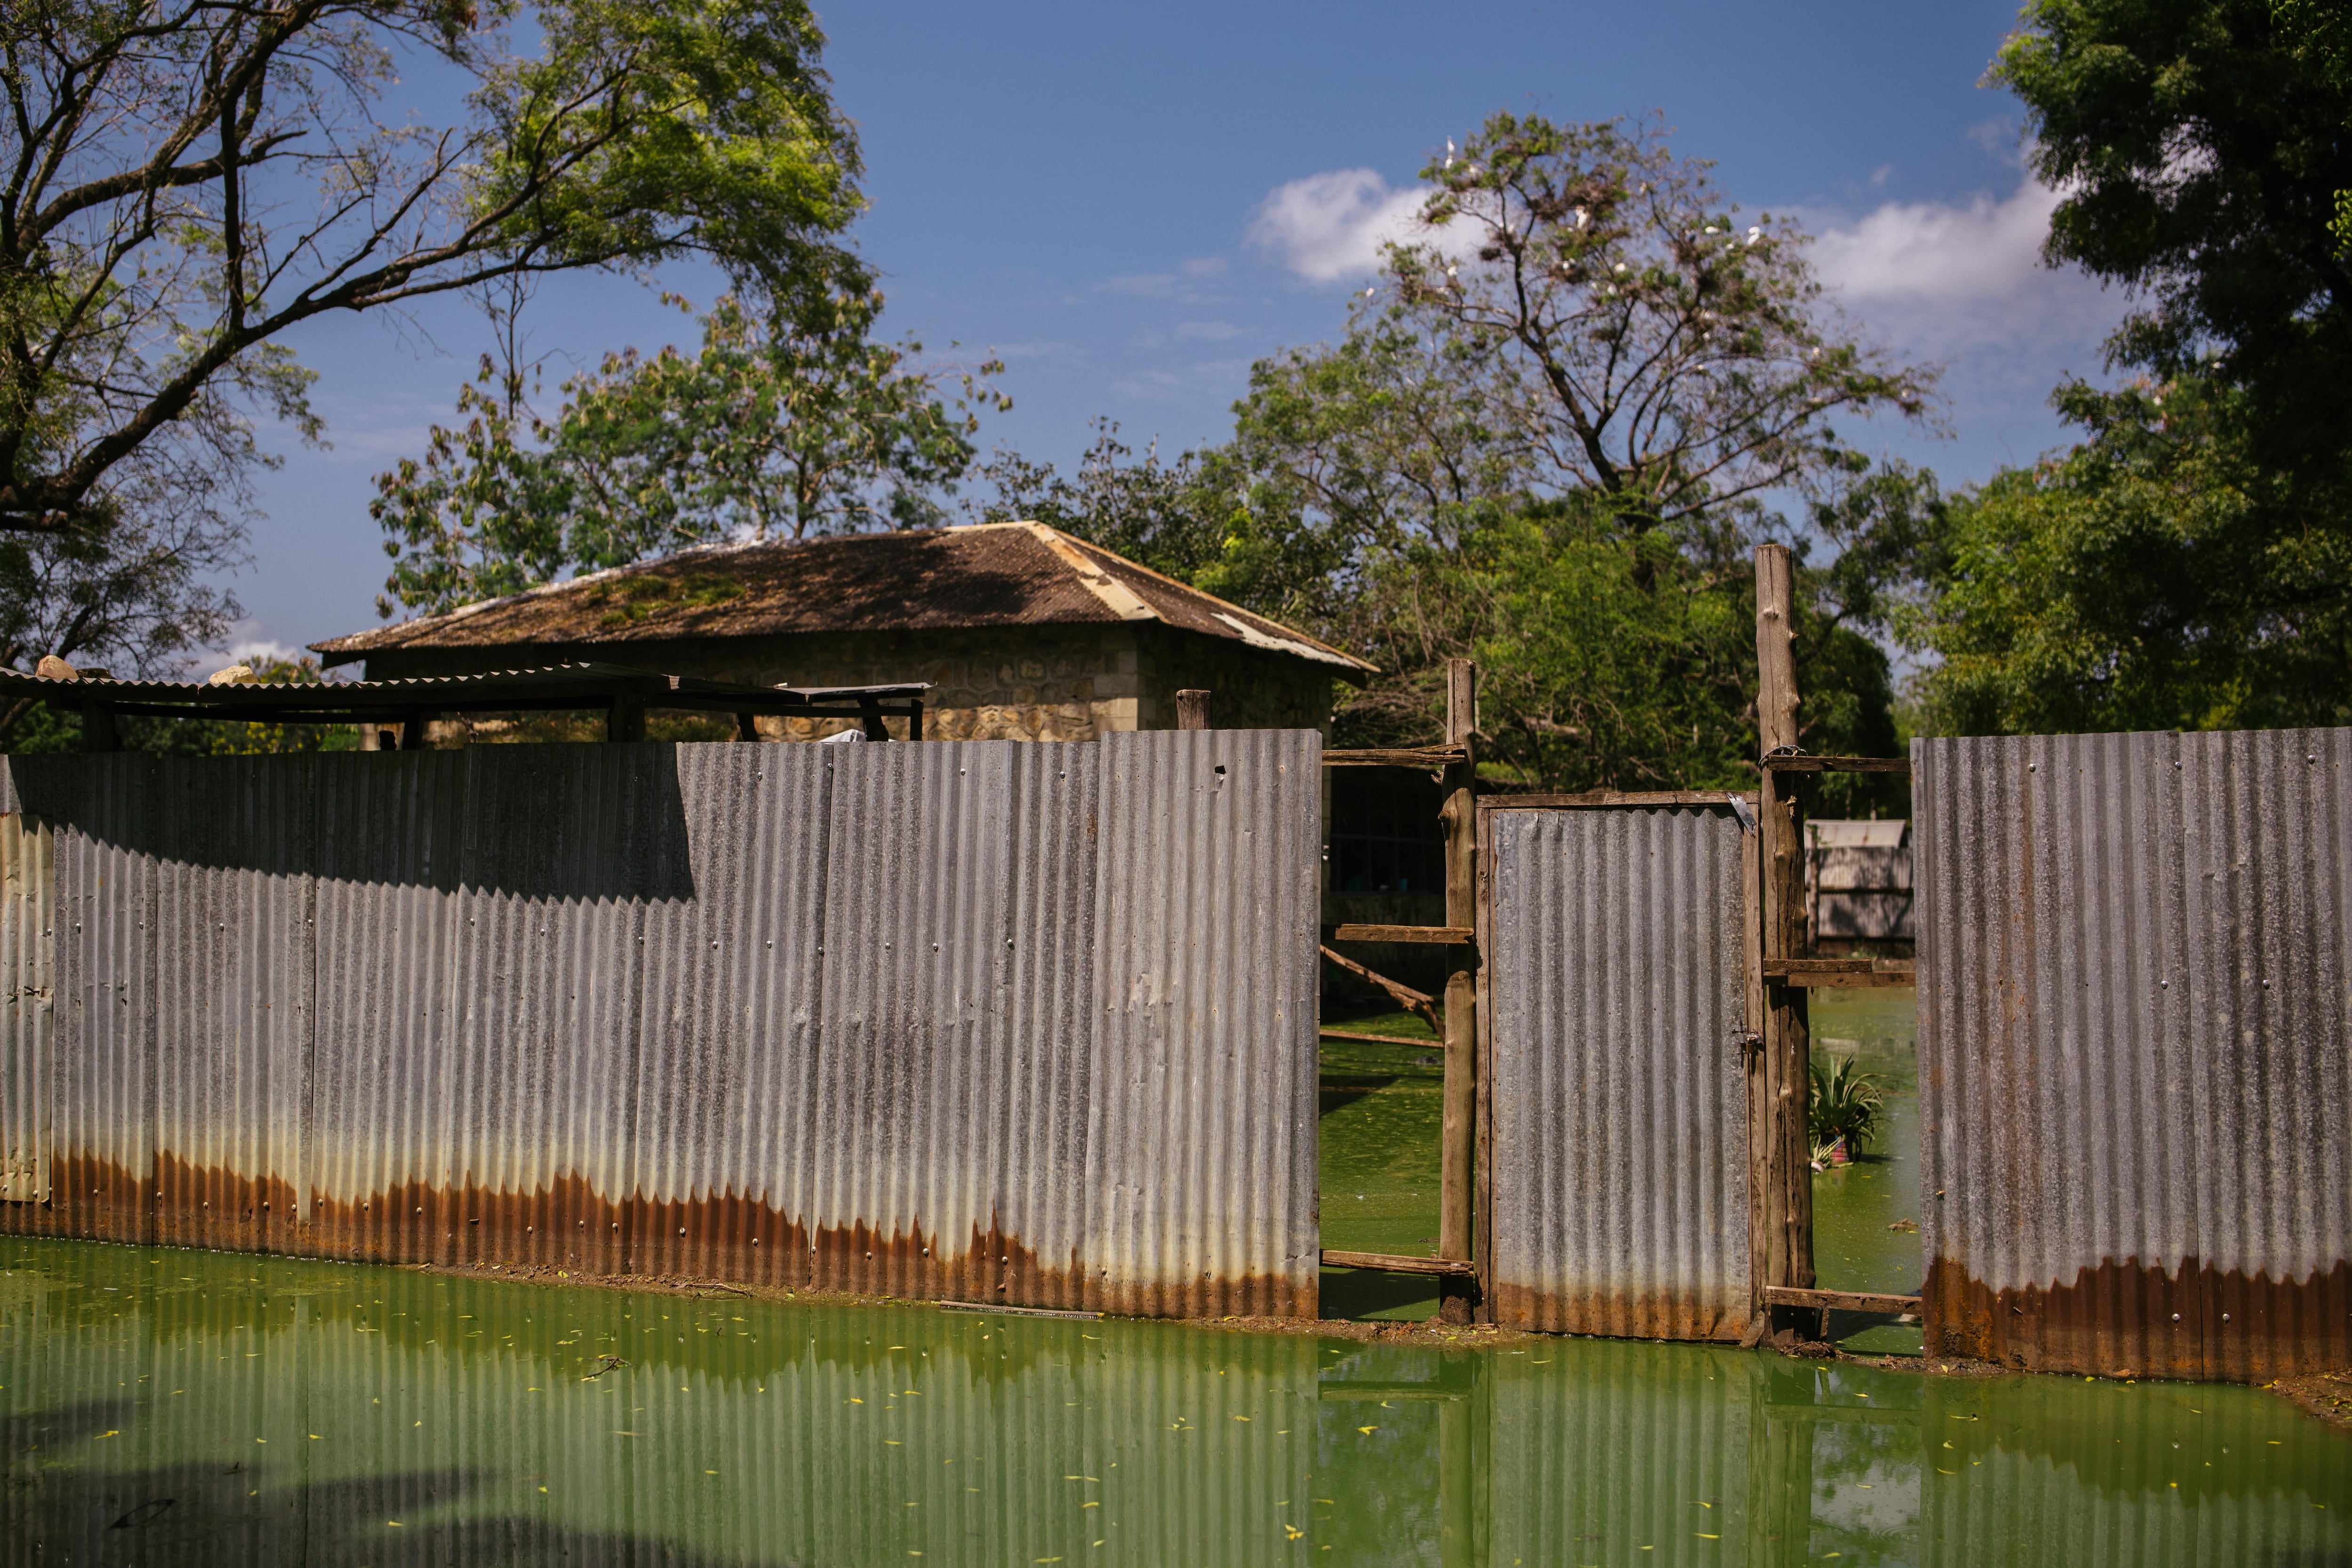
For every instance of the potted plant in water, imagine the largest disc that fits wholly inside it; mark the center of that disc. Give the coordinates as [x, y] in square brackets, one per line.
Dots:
[1842, 1115]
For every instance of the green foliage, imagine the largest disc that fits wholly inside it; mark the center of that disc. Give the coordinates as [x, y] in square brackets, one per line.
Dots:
[2318, 33]
[210, 738]
[2200, 145]
[1844, 1103]
[2188, 563]
[31, 729]
[783, 429]
[630, 600]
[193, 182]
[1168, 516]
[2157, 577]
[1546, 440]
[128, 596]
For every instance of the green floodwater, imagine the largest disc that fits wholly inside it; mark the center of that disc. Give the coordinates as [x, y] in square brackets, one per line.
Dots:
[1380, 1111]
[182, 1407]
[1856, 1206]
[1382, 1106]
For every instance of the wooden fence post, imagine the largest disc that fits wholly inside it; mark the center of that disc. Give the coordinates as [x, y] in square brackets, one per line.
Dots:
[99, 731]
[1193, 709]
[1780, 1145]
[1458, 1161]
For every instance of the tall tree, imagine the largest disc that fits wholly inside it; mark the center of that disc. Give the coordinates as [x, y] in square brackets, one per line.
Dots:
[2188, 563]
[182, 182]
[1556, 424]
[133, 597]
[2199, 146]
[780, 428]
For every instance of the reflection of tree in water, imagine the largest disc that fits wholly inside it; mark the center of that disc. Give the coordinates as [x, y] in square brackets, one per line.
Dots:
[1545, 1451]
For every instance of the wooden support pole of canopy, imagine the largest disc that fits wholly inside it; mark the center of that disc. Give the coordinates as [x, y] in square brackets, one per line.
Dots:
[1457, 1174]
[99, 732]
[1780, 1147]
[1194, 709]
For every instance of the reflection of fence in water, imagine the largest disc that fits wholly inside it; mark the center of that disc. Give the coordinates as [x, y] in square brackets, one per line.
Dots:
[1570, 1451]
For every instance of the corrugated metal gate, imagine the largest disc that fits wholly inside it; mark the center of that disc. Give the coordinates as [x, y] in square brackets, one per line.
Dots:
[1616, 1084]
[1023, 1023]
[2136, 1050]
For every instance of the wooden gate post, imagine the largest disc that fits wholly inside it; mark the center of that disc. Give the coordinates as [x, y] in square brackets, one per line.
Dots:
[1459, 1161]
[1193, 709]
[1780, 1145]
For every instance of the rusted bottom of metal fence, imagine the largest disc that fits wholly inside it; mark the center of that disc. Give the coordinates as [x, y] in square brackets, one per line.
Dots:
[2136, 1320]
[570, 1225]
[1684, 1316]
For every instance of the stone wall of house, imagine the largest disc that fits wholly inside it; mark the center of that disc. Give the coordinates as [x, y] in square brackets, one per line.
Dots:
[1019, 683]
[1254, 689]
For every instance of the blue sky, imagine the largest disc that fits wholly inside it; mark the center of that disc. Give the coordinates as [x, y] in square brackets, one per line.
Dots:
[1129, 205]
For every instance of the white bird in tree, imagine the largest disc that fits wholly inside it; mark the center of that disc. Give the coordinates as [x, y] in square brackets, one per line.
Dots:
[1449, 152]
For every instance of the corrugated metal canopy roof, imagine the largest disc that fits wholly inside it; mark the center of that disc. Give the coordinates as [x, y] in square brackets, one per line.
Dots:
[556, 687]
[990, 575]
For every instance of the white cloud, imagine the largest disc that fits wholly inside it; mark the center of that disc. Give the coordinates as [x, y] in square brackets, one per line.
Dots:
[1209, 330]
[259, 651]
[1951, 277]
[1329, 227]
[1960, 284]
[1985, 250]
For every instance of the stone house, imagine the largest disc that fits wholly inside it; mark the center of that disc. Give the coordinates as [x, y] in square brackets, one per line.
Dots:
[1022, 631]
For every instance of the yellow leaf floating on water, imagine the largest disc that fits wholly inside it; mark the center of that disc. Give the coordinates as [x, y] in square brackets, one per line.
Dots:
[1292, 1532]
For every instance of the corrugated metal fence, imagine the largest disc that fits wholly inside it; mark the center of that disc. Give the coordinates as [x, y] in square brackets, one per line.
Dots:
[1618, 1100]
[27, 987]
[1029, 1024]
[2135, 978]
